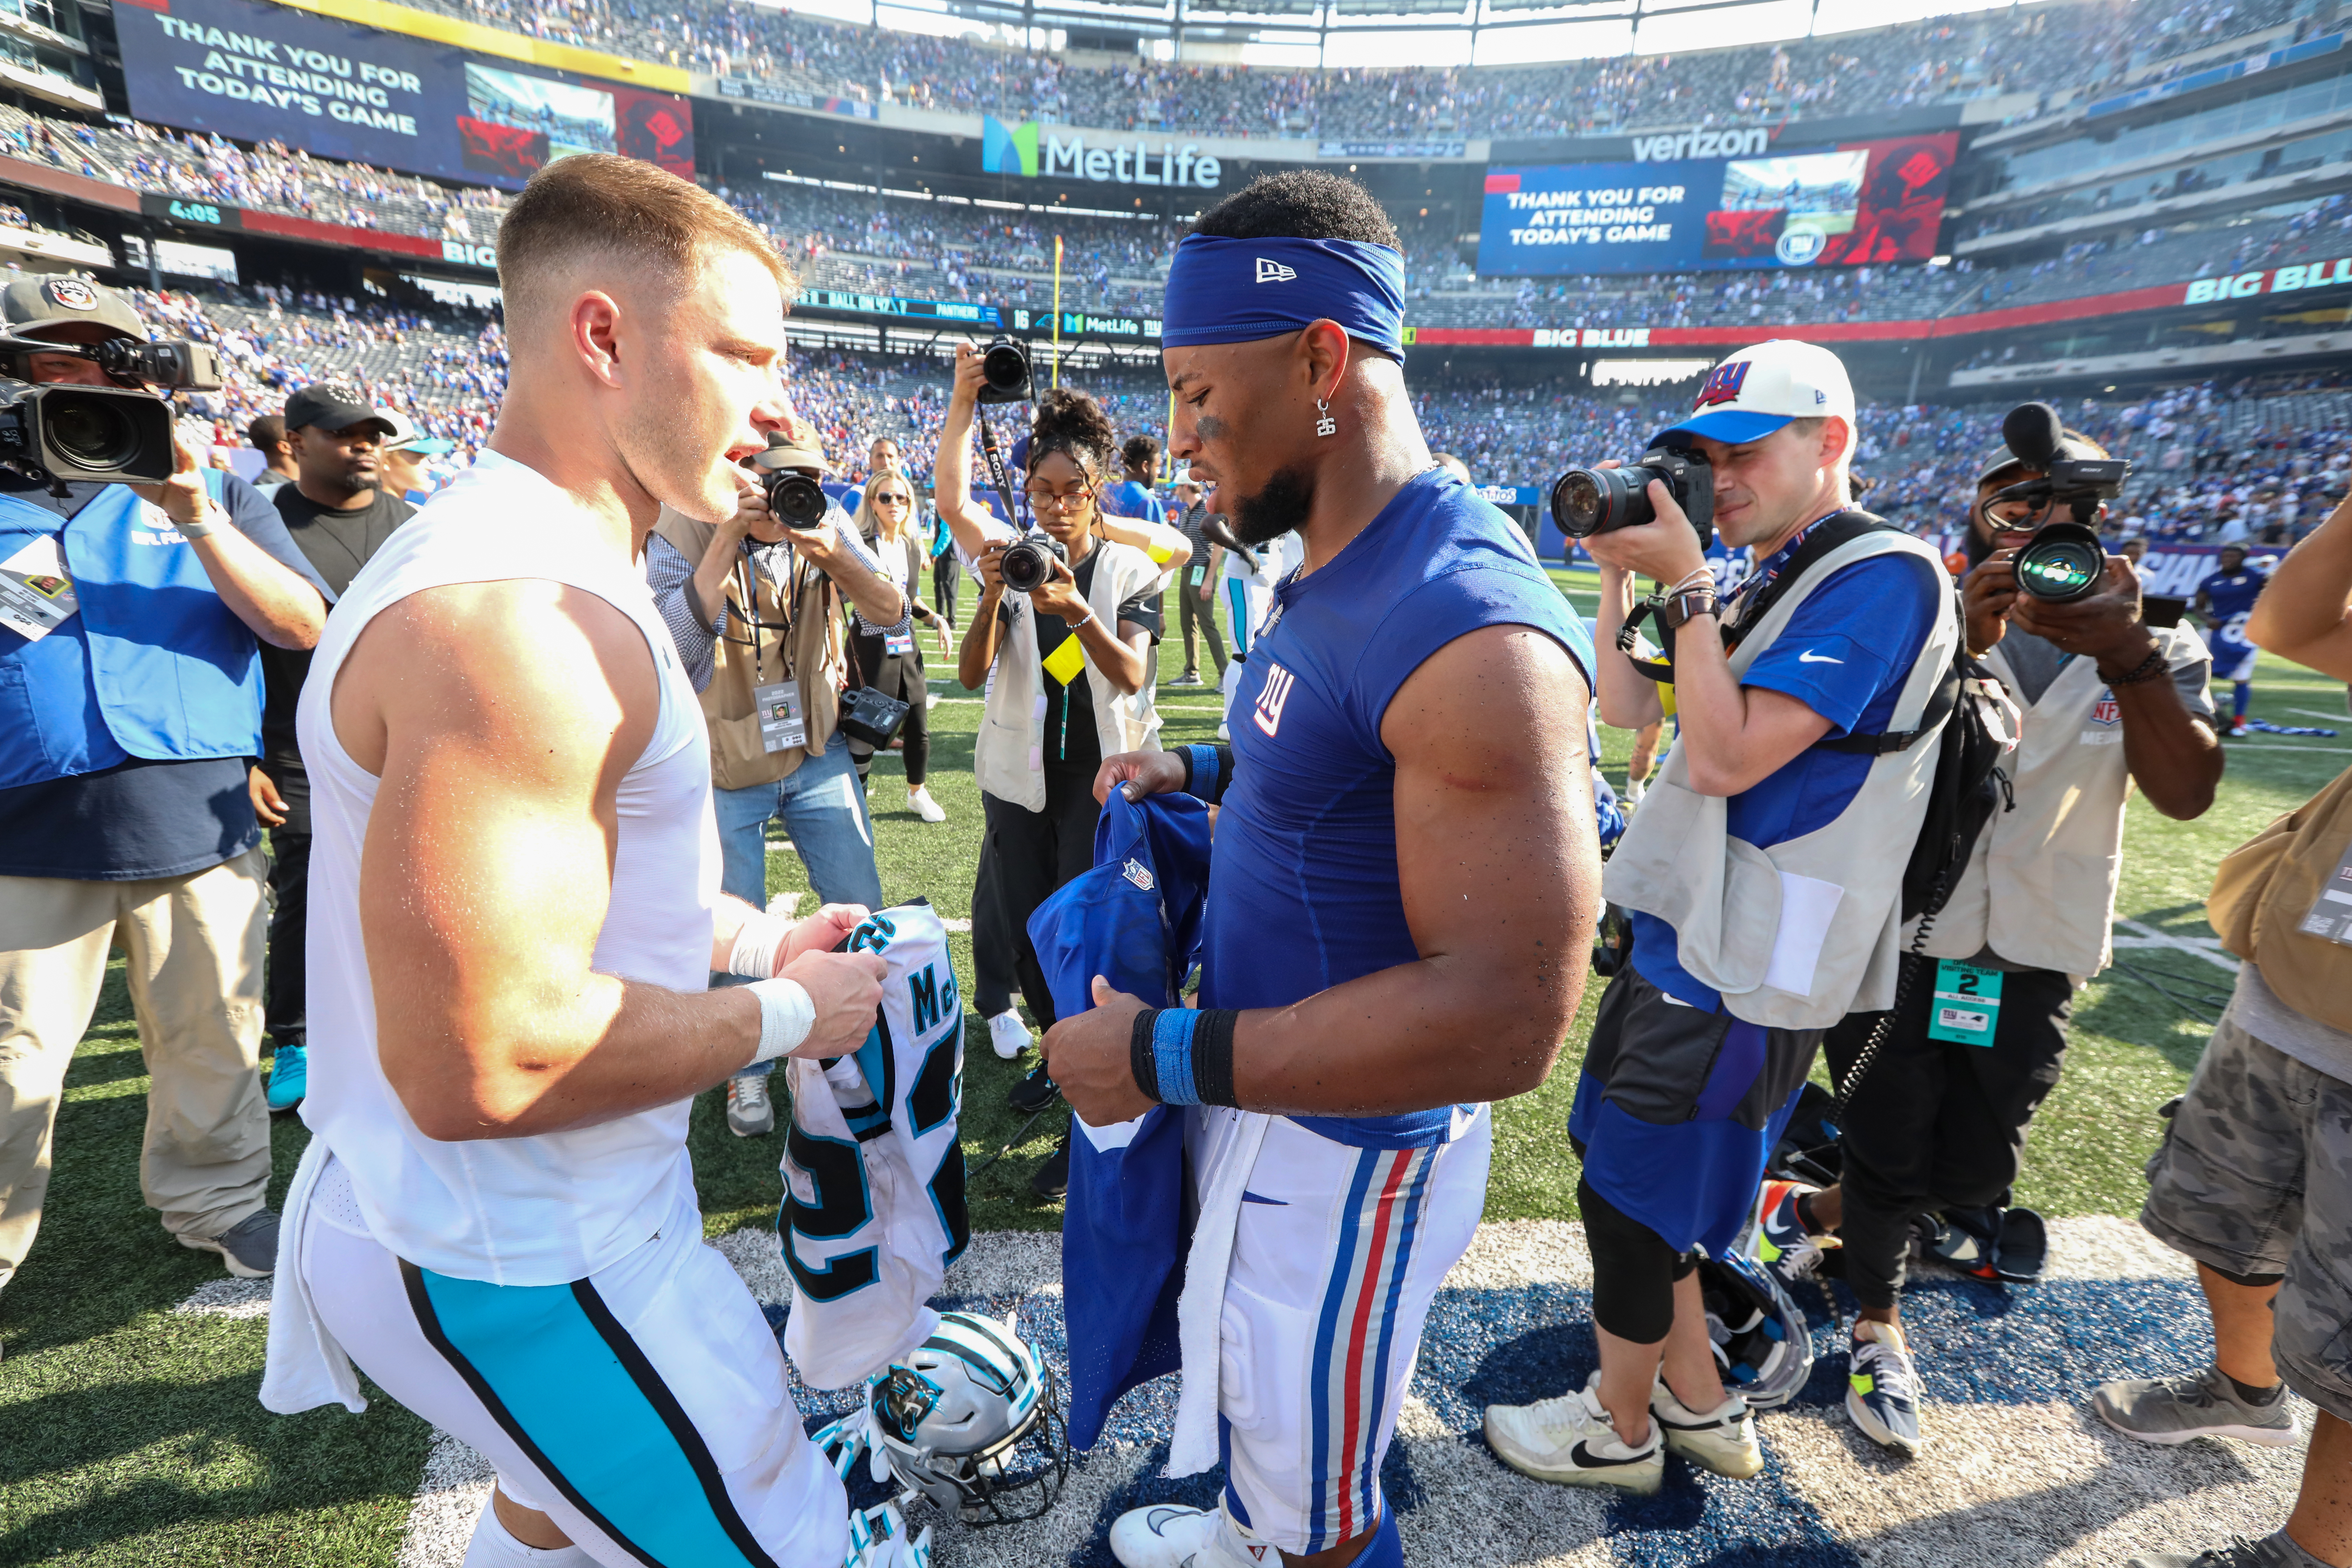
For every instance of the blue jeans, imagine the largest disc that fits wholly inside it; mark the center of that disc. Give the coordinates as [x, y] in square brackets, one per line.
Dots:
[824, 812]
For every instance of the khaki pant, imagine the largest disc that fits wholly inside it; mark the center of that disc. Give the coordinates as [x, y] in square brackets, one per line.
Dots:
[195, 948]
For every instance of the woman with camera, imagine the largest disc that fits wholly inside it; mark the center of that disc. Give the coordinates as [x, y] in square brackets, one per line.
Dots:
[1062, 638]
[888, 657]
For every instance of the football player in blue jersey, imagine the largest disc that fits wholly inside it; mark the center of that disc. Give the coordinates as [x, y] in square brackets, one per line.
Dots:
[1405, 881]
[2225, 600]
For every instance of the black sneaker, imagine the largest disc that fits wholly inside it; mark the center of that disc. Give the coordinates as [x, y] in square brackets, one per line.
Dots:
[1052, 1177]
[249, 1246]
[1032, 1094]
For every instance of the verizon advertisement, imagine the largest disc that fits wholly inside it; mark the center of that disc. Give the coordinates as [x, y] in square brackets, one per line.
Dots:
[259, 72]
[1834, 206]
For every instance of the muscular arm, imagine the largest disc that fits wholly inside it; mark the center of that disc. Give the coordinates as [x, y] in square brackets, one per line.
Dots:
[1500, 876]
[2306, 610]
[271, 598]
[1628, 700]
[1219, 532]
[969, 520]
[500, 718]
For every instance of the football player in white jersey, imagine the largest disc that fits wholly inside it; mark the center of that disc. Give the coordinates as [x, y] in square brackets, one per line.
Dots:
[514, 912]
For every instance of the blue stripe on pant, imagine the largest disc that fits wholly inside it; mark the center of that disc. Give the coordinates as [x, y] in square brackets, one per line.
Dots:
[564, 1380]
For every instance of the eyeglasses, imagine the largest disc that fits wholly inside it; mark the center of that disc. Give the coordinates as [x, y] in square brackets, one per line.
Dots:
[1076, 500]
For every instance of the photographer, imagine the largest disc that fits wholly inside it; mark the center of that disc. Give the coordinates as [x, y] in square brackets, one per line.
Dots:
[888, 657]
[1937, 1122]
[1196, 602]
[2248, 1179]
[754, 608]
[130, 698]
[1067, 665]
[1762, 875]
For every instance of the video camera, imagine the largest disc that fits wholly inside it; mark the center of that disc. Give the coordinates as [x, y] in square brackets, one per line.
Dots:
[2065, 560]
[101, 435]
[1586, 502]
[1004, 373]
[794, 500]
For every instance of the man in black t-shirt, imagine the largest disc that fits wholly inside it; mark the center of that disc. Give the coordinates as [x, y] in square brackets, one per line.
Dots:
[338, 518]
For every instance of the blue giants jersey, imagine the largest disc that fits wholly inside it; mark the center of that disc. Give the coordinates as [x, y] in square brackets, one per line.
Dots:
[1304, 893]
[2232, 596]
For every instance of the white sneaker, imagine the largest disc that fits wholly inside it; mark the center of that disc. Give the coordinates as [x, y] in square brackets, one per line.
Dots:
[1168, 1535]
[1722, 1441]
[1634, 792]
[1009, 1035]
[1572, 1440]
[919, 802]
[1224, 732]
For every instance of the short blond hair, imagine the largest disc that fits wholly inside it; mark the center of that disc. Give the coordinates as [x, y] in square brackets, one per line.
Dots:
[598, 205]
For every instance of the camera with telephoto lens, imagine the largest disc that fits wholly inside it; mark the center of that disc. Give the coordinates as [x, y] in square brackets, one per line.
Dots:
[794, 500]
[1587, 501]
[1004, 373]
[1027, 564]
[2064, 561]
[102, 435]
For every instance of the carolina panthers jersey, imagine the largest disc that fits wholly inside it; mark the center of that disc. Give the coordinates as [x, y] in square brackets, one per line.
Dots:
[874, 1200]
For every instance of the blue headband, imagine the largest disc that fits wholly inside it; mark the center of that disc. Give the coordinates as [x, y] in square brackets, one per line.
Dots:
[1224, 290]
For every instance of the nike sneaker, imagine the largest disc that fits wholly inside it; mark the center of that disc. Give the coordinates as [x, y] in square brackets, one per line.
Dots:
[1572, 1440]
[1783, 1242]
[1882, 1392]
[750, 1111]
[289, 1075]
[1007, 1035]
[1722, 1441]
[1170, 1535]
[249, 1246]
[2169, 1411]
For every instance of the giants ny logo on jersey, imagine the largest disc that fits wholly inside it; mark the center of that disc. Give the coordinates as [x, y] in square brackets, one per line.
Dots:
[1272, 696]
[1723, 385]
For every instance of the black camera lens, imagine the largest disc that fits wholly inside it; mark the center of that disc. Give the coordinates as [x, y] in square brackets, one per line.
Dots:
[795, 499]
[2063, 561]
[1027, 564]
[1587, 501]
[1005, 371]
[89, 432]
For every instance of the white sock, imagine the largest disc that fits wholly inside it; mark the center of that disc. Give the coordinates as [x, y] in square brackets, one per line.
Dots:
[494, 1546]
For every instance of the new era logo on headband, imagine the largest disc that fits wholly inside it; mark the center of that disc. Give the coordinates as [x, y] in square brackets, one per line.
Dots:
[1275, 272]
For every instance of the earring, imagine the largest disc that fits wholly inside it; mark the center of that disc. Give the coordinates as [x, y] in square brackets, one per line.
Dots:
[1324, 424]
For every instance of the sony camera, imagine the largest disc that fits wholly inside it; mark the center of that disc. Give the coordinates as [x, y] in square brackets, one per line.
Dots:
[2064, 561]
[1027, 564]
[794, 500]
[101, 435]
[1004, 373]
[1587, 501]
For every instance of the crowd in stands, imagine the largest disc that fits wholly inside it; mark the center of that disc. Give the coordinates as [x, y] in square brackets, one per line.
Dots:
[2049, 48]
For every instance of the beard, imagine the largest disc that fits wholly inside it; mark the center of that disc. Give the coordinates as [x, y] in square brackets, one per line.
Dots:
[1278, 507]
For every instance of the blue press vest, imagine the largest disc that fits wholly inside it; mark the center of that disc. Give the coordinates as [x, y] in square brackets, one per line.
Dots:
[152, 665]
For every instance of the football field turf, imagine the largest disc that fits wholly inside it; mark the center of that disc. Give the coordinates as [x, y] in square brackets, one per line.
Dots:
[129, 1431]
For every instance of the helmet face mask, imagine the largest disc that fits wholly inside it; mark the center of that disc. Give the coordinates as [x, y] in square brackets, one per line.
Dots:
[970, 1420]
[1762, 1342]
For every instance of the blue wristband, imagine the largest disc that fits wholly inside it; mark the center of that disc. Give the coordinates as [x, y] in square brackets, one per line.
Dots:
[1200, 771]
[1171, 1055]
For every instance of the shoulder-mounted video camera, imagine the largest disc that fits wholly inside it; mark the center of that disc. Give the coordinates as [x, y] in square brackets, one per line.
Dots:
[2065, 560]
[103, 434]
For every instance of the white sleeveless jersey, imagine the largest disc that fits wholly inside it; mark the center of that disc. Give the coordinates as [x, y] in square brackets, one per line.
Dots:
[554, 1208]
[874, 1203]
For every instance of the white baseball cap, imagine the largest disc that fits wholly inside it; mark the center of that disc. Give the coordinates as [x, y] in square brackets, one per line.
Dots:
[1758, 390]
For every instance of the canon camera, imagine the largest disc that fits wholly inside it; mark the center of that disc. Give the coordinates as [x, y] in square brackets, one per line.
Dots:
[98, 435]
[1587, 501]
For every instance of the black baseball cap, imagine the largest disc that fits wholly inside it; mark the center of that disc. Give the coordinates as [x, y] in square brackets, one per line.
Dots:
[332, 406]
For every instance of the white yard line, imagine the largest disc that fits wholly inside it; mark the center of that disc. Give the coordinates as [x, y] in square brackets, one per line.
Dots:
[2323, 718]
[2205, 947]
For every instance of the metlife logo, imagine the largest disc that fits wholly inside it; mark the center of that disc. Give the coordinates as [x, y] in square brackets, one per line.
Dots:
[2284, 280]
[1016, 151]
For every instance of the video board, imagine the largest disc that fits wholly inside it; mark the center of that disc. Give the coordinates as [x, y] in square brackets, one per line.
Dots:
[261, 72]
[1822, 206]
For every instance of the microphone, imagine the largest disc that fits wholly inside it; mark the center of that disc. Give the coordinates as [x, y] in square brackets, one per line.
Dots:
[2034, 432]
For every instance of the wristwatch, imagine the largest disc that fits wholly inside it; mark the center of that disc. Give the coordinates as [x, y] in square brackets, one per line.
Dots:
[1682, 607]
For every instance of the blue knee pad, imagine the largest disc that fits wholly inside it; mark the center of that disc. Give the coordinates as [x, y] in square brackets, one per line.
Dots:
[1386, 1549]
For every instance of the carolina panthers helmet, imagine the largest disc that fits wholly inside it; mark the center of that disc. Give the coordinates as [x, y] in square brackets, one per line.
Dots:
[970, 1420]
[1761, 1340]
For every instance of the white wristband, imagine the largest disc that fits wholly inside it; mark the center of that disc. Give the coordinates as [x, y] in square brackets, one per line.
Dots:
[786, 1016]
[208, 521]
[758, 941]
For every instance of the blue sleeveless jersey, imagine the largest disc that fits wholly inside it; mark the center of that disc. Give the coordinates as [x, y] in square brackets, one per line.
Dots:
[1303, 895]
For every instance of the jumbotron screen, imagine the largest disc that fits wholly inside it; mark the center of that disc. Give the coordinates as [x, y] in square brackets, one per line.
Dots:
[1822, 206]
[261, 72]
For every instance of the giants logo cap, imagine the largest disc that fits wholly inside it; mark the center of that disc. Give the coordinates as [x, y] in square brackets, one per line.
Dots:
[1755, 390]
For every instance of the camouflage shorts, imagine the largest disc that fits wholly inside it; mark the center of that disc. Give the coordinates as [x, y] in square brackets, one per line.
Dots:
[2255, 1177]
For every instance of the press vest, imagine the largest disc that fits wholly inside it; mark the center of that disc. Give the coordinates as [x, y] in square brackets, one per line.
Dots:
[556, 1207]
[737, 759]
[1010, 755]
[2040, 888]
[1841, 884]
[152, 665]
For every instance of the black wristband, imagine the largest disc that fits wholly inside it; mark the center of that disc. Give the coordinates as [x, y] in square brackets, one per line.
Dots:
[1139, 1059]
[1212, 1056]
[2146, 670]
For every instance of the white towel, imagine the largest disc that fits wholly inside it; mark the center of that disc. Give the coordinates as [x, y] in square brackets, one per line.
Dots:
[1230, 1145]
[306, 1367]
